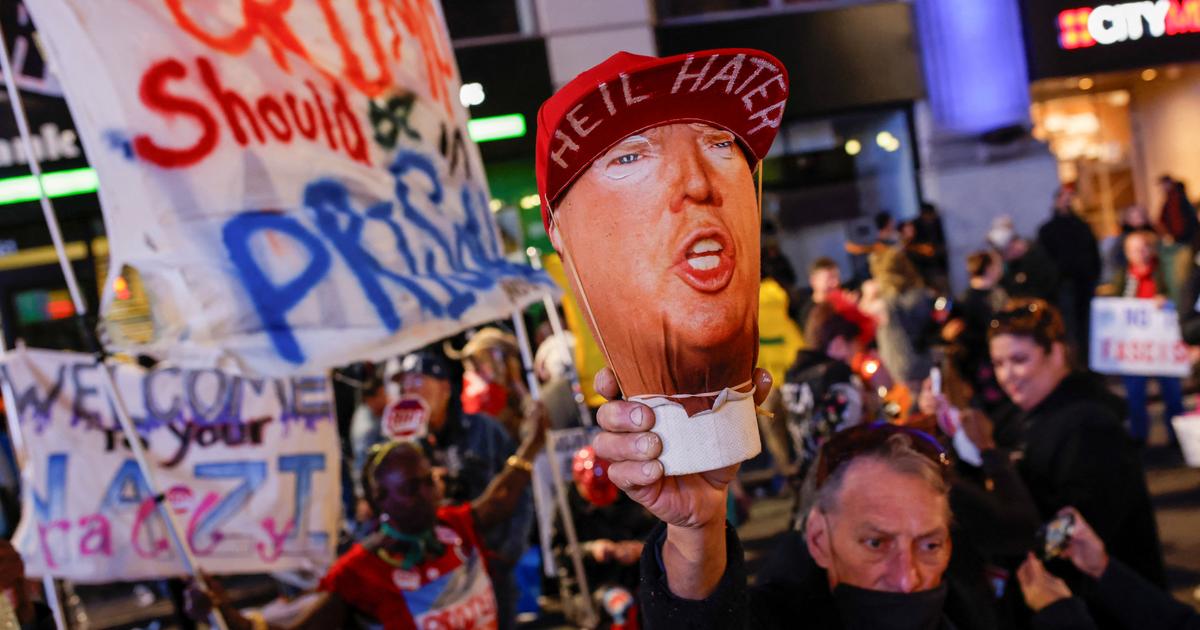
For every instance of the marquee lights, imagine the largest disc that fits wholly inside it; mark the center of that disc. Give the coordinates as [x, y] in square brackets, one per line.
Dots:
[1129, 21]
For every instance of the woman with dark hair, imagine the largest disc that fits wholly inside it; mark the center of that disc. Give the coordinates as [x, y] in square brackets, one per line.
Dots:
[1074, 445]
[425, 566]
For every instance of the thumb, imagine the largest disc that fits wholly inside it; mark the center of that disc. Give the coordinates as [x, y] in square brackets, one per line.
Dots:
[762, 385]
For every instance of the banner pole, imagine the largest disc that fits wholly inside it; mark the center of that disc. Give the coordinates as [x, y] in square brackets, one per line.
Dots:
[131, 435]
[560, 333]
[52, 600]
[560, 488]
[49, 587]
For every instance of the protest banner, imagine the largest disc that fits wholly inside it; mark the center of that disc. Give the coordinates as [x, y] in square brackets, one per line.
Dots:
[1136, 337]
[250, 467]
[294, 181]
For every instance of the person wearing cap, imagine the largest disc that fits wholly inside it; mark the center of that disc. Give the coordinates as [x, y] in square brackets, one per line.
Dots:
[645, 171]
[472, 448]
[492, 379]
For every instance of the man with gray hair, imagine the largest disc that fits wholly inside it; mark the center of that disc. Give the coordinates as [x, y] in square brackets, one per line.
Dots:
[873, 554]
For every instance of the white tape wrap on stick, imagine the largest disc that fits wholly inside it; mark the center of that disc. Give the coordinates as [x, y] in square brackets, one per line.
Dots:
[725, 435]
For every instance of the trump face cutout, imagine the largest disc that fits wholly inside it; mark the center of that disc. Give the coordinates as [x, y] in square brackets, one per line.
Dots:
[665, 226]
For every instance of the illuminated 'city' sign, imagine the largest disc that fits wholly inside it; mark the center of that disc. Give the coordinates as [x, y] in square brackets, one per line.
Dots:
[1129, 21]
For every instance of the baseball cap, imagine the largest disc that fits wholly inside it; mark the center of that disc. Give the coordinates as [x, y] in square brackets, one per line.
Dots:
[428, 361]
[740, 90]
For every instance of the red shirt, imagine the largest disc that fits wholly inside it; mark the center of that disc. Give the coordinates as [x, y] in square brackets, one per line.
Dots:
[1143, 277]
[451, 592]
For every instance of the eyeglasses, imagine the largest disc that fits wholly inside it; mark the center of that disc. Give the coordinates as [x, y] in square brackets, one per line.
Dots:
[846, 445]
[1005, 316]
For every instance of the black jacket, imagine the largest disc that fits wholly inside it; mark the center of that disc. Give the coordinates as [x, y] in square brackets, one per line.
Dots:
[1189, 316]
[1077, 452]
[791, 592]
[1070, 243]
[1127, 598]
[1034, 274]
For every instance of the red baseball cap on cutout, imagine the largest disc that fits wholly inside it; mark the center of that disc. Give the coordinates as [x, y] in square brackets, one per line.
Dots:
[737, 89]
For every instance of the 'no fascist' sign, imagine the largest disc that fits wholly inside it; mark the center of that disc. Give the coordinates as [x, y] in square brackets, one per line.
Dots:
[1136, 337]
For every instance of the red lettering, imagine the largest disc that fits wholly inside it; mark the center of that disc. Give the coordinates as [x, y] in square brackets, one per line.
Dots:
[157, 547]
[352, 67]
[43, 531]
[268, 107]
[231, 104]
[277, 538]
[210, 501]
[420, 22]
[1183, 17]
[335, 119]
[347, 122]
[260, 18]
[98, 538]
[325, 122]
[310, 130]
[154, 95]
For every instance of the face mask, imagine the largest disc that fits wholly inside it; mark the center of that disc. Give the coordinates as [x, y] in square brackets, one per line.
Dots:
[1000, 237]
[406, 418]
[865, 609]
[862, 609]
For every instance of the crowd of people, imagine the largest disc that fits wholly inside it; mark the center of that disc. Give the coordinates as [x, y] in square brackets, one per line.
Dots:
[1011, 494]
[1006, 490]
[951, 461]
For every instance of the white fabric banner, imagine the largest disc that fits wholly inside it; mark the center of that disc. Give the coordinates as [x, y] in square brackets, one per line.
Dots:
[251, 468]
[293, 180]
[1136, 337]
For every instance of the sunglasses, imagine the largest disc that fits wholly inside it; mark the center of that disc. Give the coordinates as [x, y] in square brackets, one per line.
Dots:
[846, 445]
[1006, 316]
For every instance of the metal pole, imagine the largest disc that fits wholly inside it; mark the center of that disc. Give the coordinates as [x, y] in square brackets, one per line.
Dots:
[18, 444]
[131, 435]
[52, 600]
[560, 333]
[560, 488]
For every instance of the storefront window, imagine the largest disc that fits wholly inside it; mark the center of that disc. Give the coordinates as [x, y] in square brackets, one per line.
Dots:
[1091, 136]
[827, 178]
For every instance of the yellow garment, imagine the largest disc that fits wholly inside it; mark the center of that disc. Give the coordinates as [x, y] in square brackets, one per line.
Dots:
[589, 359]
[779, 338]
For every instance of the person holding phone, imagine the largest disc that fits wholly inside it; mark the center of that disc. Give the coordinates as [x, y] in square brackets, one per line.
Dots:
[1074, 445]
[1113, 586]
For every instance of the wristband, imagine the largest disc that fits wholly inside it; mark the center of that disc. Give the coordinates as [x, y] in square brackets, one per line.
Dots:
[520, 463]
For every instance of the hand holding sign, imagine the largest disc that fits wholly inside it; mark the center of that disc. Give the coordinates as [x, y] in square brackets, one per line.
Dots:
[693, 506]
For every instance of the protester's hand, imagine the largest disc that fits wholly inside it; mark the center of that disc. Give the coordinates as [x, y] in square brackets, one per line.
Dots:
[1085, 550]
[628, 552]
[602, 550]
[978, 428]
[928, 403]
[1040, 587]
[691, 501]
[953, 329]
[536, 423]
[200, 597]
[363, 511]
[1160, 301]
[12, 581]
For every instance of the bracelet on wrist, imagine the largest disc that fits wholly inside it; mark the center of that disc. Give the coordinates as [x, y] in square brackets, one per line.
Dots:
[520, 463]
